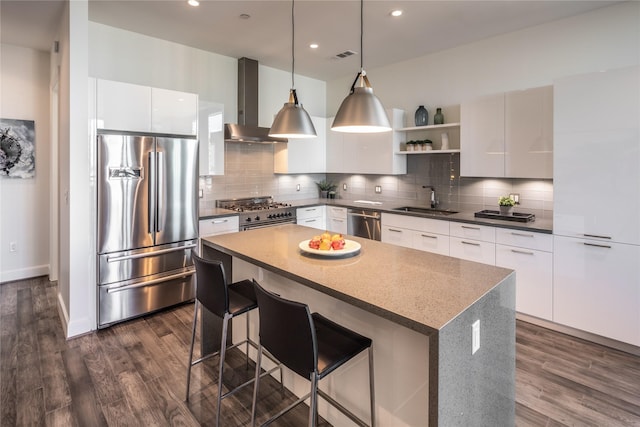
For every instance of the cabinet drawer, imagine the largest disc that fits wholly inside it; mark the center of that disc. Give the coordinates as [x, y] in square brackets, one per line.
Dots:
[336, 212]
[472, 250]
[210, 227]
[430, 242]
[416, 223]
[310, 212]
[525, 239]
[473, 231]
[397, 236]
[337, 225]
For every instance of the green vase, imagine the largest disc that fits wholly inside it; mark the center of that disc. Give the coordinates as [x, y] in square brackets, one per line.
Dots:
[438, 119]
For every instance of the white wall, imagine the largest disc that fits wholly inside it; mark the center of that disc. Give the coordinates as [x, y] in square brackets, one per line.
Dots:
[602, 39]
[24, 203]
[76, 283]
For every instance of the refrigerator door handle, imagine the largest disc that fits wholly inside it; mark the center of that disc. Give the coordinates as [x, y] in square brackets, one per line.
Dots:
[147, 254]
[152, 282]
[161, 191]
[152, 192]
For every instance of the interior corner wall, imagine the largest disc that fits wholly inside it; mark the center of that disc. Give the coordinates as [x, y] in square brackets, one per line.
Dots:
[605, 38]
[24, 202]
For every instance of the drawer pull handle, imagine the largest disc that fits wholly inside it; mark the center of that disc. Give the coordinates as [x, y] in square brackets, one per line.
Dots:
[470, 243]
[430, 237]
[522, 234]
[394, 230]
[219, 221]
[470, 228]
[149, 254]
[521, 252]
[338, 219]
[597, 236]
[310, 220]
[597, 246]
[152, 282]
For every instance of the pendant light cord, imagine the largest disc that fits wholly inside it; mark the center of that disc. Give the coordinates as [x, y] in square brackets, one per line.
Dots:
[361, 34]
[293, 42]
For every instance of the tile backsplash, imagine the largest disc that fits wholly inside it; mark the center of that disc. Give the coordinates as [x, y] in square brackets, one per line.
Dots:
[249, 172]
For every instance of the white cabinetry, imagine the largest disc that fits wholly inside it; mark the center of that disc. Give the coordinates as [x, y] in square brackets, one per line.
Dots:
[306, 155]
[597, 287]
[508, 135]
[597, 157]
[472, 242]
[312, 216]
[130, 107]
[123, 106]
[221, 225]
[530, 255]
[425, 234]
[337, 219]
[367, 153]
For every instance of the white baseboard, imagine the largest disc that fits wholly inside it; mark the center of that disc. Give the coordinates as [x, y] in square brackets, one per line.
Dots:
[24, 273]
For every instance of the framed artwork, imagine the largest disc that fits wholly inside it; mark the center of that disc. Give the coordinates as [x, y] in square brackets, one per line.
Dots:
[17, 148]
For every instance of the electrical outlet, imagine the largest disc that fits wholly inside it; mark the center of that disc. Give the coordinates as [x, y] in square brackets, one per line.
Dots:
[378, 189]
[344, 187]
[298, 187]
[201, 193]
[475, 336]
[13, 247]
[516, 197]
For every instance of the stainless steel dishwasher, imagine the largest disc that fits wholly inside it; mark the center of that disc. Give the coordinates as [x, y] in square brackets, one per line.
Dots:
[364, 223]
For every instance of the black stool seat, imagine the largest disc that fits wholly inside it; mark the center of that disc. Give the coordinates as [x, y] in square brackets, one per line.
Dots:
[242, 297]
[311, 346]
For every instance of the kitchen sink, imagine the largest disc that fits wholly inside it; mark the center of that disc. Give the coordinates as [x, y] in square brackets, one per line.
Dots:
[425, 211]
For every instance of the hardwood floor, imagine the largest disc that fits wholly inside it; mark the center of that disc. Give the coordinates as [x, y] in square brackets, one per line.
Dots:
[133, 374]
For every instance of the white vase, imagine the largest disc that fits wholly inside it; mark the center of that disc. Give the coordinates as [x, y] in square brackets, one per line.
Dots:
[445, 141]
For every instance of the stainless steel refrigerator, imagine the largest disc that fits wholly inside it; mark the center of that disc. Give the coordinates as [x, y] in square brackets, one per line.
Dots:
[147, 223]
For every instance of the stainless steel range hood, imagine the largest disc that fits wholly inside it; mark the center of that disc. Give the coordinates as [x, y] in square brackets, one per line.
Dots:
[247, 129]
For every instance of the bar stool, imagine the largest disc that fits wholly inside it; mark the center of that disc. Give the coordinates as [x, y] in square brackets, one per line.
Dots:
[310, 345]
[226, 301]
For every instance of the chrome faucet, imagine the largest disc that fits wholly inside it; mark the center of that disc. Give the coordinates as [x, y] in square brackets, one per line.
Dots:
[433, 200]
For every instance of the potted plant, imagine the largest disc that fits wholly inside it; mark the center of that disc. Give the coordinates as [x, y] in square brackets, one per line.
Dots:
[325, 187]
[411, 145]
[506, 203]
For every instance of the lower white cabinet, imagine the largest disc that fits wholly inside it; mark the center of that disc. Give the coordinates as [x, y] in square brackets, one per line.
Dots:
[472, 242]
[312, 216]
[596, 287]
[337, 219]
[221, 225]
[530, 255]
[429, 235]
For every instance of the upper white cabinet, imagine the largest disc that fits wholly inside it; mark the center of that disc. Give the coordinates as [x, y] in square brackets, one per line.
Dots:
[130, 107]
[211, 137]
[528, 131]
[482, 136]
[305, 155]
[123, 106]
[367, 153]
[174, 112]
[597, 156]
[508, 135]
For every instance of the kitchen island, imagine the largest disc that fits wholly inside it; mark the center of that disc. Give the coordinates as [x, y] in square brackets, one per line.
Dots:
[417, 307]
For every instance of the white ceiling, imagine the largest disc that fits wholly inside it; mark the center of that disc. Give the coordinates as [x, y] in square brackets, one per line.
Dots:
[216, 26]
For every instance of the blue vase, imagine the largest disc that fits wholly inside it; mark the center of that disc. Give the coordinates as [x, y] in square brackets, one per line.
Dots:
[422, 116]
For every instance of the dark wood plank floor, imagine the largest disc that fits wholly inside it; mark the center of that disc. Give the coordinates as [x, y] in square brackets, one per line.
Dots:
[134, 374]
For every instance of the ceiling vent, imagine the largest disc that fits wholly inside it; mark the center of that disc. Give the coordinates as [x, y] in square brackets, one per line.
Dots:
[345, 54]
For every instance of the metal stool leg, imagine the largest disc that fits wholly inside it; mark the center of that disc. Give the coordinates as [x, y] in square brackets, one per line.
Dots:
[247, 343]
[223, 350]
[313, 401]
[372, 394]
[256, 386]
[193, 339]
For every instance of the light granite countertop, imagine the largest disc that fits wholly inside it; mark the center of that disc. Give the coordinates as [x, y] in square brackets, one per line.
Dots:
[540, 225]
[419, 290]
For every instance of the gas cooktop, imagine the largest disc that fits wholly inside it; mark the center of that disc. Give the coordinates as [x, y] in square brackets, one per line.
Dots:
[249, 204]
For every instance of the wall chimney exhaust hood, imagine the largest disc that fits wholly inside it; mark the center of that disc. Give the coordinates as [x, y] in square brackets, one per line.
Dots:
[247, 129]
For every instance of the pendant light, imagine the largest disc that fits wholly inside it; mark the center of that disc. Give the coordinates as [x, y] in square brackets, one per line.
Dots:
[361, 111]
[292, 121]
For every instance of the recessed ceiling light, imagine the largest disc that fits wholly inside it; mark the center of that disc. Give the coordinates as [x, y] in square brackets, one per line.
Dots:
[193, 3]
[313, 45]
[396, 13]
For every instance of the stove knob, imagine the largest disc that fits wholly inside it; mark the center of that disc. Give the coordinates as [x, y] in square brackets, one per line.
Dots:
[279, 215]
[289, 214]
[270, 216]
[257, 218]
[248, 220]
